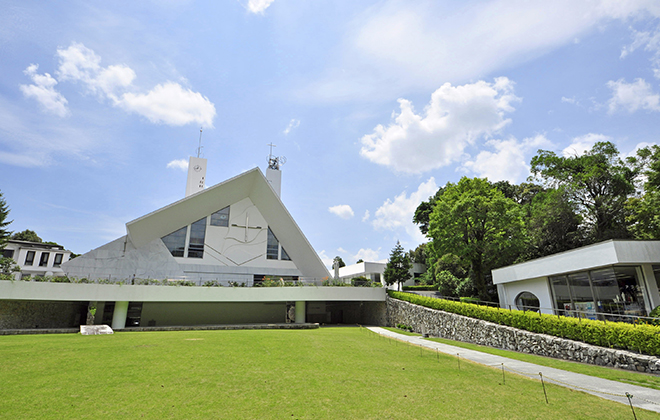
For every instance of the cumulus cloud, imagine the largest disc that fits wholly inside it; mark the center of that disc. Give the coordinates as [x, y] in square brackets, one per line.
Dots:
[508, 161]
[568, 100]
[258, 6]
[632, 96]
[455, 117]
[397, 214]
[43, 91]
[294, 123]
[178, 164]
[366, 216]
[327, 261]
[342, 210]
[368, 255]
[167, 103]
[581, 144]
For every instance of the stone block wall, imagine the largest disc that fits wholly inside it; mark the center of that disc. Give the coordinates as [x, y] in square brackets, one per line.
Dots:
[19, 314]
[461, 328]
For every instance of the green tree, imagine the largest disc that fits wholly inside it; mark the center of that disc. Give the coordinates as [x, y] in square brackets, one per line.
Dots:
[359, 261]
[476, 222]
[7, 268]
[418, 255]
[398, 267]
[598, 182]
[424, 210]
[338, 260]
[27, 235]
[4, 213]
[643, 213]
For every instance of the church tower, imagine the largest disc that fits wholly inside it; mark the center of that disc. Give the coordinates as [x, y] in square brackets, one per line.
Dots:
[196, 171]
[273, 173]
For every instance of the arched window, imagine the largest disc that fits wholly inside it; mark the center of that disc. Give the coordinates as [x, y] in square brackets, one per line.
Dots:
[527, 301]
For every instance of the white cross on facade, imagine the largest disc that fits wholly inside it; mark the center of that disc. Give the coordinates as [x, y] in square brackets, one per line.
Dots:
[247, 226]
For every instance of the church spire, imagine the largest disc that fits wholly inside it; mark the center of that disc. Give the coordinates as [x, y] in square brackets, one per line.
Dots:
[273, 173]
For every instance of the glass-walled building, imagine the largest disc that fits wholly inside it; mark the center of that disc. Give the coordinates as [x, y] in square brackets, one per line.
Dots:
[613, 280]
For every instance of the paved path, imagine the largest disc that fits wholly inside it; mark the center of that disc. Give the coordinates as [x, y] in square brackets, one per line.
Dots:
[646, 398]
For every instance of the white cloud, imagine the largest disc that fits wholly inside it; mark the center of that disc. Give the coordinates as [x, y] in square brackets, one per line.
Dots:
[366, 216]
[650, 40]
[342, 210]
[43, 90]
[178, 164]
[327, 261]
[368, 255]
[167, 103]
[508, 161]
[258, 6]
[397, 214]
[568, 100]
[632, 96]
[171, 104]
[294, 123]
[396, 46]
[579, 145]
[455, 117]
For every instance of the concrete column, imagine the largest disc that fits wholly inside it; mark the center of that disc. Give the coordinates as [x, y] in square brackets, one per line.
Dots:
[119, 315]
[300, 312]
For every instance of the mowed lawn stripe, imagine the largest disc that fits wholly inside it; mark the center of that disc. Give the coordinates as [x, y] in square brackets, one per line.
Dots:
[304, 374]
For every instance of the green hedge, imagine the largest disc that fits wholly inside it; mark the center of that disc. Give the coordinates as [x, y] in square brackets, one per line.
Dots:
[640, 338]
[425, 287]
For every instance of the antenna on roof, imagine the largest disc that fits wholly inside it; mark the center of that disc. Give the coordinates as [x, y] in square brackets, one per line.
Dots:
[274, 162]
[199, 148]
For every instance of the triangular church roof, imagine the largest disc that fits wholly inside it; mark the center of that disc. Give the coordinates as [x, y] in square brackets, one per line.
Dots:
[250, 184]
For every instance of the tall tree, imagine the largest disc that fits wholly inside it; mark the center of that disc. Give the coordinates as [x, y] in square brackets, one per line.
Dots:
[643, 213]
[424, 210]
[337, 260]
[398, 266]
[4, 213]
[476, 222]
[27, 235]
[597, 181]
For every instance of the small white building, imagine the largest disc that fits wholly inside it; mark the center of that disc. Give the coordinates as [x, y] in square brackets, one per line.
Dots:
[617, 277]
[374, 272]
[36, 258]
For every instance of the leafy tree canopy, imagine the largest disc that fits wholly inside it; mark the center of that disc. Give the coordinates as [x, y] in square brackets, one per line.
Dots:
[338, 261]
[476, 222]
[27, 235]
[398, 267]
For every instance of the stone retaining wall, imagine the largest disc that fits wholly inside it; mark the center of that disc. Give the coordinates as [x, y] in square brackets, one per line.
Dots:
[461, 328]
[18, 314]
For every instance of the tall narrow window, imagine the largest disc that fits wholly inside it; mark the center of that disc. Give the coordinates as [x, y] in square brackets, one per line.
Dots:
[29, 258]
[220, 217]
[197, 236]
[43, 262]
[58, 260]
[272, 246]
[285, 256]
[176, 241]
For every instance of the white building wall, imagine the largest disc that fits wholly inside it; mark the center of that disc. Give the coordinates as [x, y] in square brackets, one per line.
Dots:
[540, 287]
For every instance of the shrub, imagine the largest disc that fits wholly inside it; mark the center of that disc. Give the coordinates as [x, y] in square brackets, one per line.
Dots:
[656, 312]
[640, 338]
[422, 287]
[404, 327]
[212, 283]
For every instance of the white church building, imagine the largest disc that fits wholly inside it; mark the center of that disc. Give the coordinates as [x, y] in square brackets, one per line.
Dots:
[215, 244]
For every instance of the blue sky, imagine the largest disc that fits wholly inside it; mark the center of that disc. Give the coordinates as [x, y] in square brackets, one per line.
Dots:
[375, 104]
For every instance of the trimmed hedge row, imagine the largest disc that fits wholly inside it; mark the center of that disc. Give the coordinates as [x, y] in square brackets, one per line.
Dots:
[425, 287]
[644, 339]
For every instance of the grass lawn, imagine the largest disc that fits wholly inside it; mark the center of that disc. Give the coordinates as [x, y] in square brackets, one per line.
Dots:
[328, 373]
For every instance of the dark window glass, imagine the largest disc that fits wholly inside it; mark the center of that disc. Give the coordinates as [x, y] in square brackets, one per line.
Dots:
[29, 258]
[7, 253]
[176, 241]
[630, 291]
[58, 260]
[197, 236]
[606, 289]
[583, 298]
[285, 256]
[272, 246]
[527, 301]
[220, 217]
[561, 293]
[43, 262]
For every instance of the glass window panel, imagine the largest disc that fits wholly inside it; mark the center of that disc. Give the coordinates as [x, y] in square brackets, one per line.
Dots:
[272, 246]
[176, 241]
[29, 258]
[630, 291]
[58, 260]
[220, 217]
[562, 294]
[285, 256]
[606, 289]
[7, 253]
[527, 301]
[583, 299]
[43, 262]
[197, 236]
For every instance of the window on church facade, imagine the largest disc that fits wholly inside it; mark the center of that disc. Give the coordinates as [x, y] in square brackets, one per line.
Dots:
[220, 217]
[176, 241]
[197, 236]
[285, 256]
[272, 246]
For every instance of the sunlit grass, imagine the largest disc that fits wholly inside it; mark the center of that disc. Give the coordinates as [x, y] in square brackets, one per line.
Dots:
[326, 373]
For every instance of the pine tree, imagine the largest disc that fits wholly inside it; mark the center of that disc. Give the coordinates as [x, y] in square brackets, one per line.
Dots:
[398, 266]
[4, 212]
